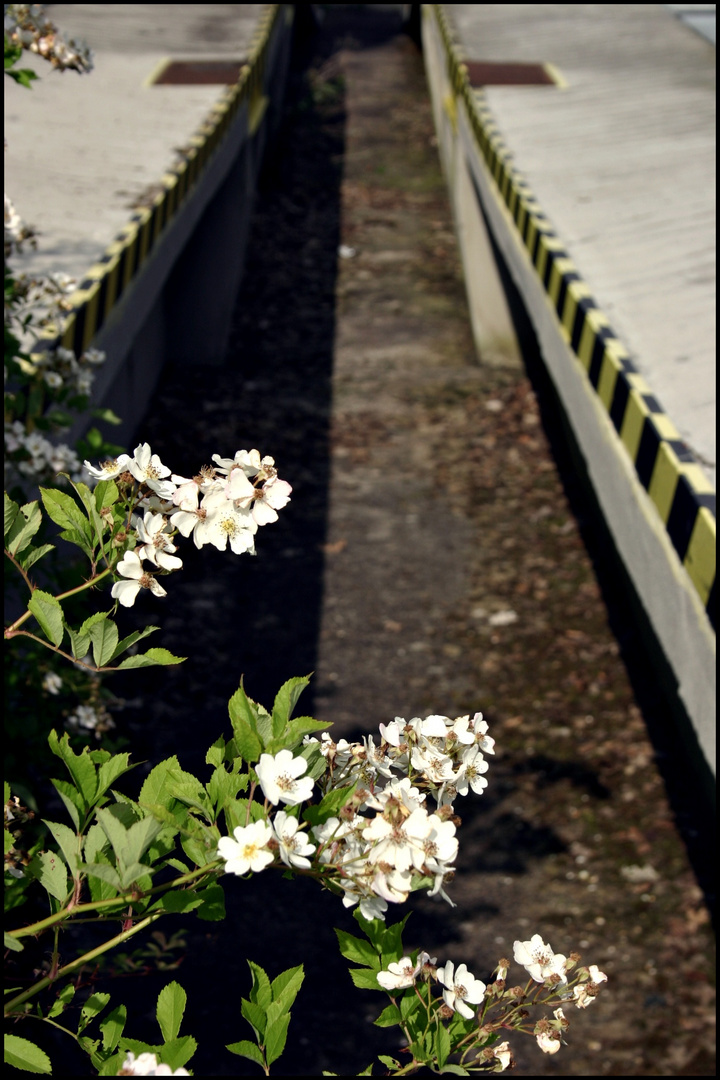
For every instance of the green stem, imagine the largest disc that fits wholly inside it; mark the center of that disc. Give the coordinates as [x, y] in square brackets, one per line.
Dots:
[11, 630]
[98, 905]
[11, 1006]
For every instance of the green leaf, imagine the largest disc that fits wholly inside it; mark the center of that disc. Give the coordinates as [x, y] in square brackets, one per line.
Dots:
[255, 1016]
[152, 658]
[64, 511]
[357, 950]
[131, 639]
[74, 536]
[80, 766]
[276, 1037]
[365, 978]
[49, 614]
[12, 943]
[247, 742]
[330, 805]
[68, 841]
[32, 555]
[176, 902]
[213, 904]
[11, 512]
[62, 1001]
[107, 415]
[158, 785]
[442, 1044]
[80, 643]
[389, 1061]
[241, 707]
[51, 872]
[224, 786]
[260, 992]
[247, 1050]
[112, 1027]
[74, 803]
[285, 702]
[285, 987]
[170, 1010]
[23, 528]
[177, 1052]
[216, 753]
[388, 1017]
[24, 1055]
[456, 1070]
[110, 770]
[106, 873]
[104, 637]
[92, 1008]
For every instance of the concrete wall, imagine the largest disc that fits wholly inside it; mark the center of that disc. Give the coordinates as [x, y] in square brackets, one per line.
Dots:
[639, 498]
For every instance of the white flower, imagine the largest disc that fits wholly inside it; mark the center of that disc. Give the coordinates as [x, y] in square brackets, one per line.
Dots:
[86, 717]
[156, 544]
[126, 591]
[264, 502]
[392, 733]
[586, 993]
[503, 1055]
[52, 683]
[539, 960]
[147, 1065]
[223, 524]
[435, 766]
[436, 839]
[461, 987]
[294, 845]
[473, 765]
[549, 1044]
[248, 851]
[147, 468]
[109, 469]
[399, 975]
[279, 781]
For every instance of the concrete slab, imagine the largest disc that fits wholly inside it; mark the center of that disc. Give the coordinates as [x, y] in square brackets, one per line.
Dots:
[85, 151]
[622, 161]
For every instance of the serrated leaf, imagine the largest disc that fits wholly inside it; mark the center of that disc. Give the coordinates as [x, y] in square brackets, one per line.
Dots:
[107, 874]
[285, 987]
[110, 770]
[260, 992]
[157, 787]
[11, 512]
[12, 943]
[249, 1050]
[152, 658]
[224, 786]
[32, 555]
[216, 753]
[276, 1037]
[51, 871]
[330, 805]
[177, 902]
[24, 1055]
[285, 702]
[63, 1000]
[456, 1070]
[442, 1044]
[112, 1027]
[23, 528]
[132, 639]
[49, 615]
[92, 1008]
[68, 841]
[213, 904]
[170, 1010]
[388, 1017]
[74, 803]
[255, 1016]
[365, 978]
[177, 1052]
[63, 510]
[79, 539]
[357, 950]
[246, 741]
[241, 707]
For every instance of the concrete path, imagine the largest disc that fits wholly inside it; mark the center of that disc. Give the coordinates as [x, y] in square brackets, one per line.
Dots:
[84, 152]
[621, 158]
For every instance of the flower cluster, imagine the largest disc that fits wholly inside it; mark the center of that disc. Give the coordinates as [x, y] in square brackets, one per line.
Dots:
[33, 456]
[387, 842]
[222, 505]
[27, 26]
[462, 993]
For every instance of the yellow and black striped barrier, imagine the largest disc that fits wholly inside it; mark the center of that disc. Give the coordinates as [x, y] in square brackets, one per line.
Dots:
[108, 280]
[681, 493]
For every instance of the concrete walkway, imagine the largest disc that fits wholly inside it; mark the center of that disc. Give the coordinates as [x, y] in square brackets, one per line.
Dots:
[621, 158]
[84, 152]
